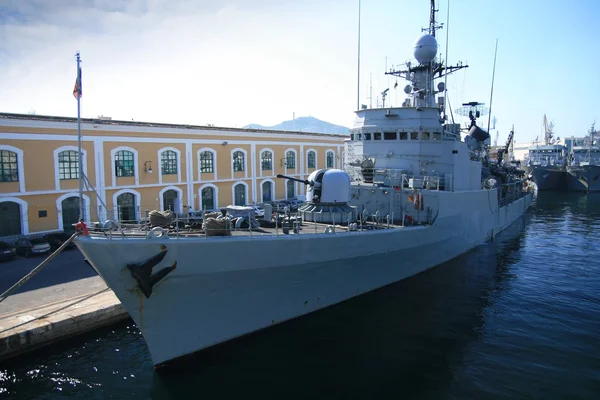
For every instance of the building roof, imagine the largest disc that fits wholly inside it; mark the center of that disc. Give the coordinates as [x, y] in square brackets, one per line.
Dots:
[158, 125]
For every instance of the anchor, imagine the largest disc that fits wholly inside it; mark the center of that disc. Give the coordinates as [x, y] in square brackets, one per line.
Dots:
[142, 272]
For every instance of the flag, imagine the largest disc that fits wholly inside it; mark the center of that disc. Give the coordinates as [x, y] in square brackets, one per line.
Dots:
[77, 92]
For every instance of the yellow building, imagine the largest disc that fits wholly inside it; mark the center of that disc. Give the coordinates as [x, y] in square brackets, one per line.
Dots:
[136, 167]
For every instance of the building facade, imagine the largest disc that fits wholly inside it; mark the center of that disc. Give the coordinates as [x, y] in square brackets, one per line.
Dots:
[131, 168]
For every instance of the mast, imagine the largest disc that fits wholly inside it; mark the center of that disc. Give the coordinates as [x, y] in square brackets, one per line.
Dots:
[492, 89]
[432, 19]
[428, 68]
[77, 93]
[358, 78]
[446, 60]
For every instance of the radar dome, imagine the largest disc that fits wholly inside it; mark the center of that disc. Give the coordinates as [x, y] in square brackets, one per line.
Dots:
[425, 49]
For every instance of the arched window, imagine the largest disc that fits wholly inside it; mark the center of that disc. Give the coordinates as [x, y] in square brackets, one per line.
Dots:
[312, 159]
[68, 165]
[171, 200]
[10, 218]
[267, 191]
[266, 160]
[9, 167]
[70, 212]
[291, 189]
[206, 162]
[240, 194]
[126, 207]
[168, 161]
[290, 160]
[330, 159]
[238, 161]
[124, 163]
[208, 198]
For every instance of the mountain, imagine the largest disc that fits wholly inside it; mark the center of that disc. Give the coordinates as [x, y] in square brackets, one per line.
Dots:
[304, 124]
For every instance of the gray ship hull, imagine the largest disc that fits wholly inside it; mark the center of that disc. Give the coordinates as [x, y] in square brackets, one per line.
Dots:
[547, 178]
[585, 178]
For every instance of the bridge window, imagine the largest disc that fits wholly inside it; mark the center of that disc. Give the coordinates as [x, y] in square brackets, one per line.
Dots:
[425, 136]
[367, 136]
[377, 136]
[436, 136]
[390, 136]
[414, 136]
[403, 135]
[352, 136]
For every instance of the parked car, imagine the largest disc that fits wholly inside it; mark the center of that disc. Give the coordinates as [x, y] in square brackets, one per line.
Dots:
[260, 212]
[7, 251]
[56, 239]
[27, 247]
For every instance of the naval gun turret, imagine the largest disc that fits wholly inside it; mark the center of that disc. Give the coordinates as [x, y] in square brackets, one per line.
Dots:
[327, 196]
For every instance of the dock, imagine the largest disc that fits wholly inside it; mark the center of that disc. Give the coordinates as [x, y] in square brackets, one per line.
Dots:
[61, 312]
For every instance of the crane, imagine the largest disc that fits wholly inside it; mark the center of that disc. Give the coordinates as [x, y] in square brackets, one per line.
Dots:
[548, 131]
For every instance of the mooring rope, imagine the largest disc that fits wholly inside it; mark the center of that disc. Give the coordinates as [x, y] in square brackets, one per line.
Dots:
[30, 275]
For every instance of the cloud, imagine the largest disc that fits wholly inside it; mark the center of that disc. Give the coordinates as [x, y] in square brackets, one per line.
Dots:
[224, 62]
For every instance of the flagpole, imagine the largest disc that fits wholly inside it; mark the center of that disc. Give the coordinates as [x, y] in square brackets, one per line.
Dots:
[79, 136]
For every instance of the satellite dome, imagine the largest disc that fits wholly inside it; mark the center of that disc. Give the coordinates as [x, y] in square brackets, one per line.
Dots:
[425, 49]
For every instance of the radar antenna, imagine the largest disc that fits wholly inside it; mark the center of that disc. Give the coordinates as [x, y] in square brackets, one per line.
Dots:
[432, 26]
[548, 131]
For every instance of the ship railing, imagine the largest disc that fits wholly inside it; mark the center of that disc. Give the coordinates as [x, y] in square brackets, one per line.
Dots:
[397, 178]
[280, 222]
[511, 192]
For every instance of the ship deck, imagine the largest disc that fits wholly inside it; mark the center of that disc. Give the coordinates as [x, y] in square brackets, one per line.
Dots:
[265, 229]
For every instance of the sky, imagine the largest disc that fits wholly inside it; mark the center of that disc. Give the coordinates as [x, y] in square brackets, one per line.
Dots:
[236, 62]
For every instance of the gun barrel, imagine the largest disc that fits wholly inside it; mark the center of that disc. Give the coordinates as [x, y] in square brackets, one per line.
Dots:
[306, 182]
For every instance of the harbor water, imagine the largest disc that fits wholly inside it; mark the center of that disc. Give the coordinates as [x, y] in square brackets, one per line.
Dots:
[516, 318]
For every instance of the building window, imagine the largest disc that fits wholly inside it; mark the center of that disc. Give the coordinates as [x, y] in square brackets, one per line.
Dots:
[171, 200]
[266, 161]
[240, 194]
[124, 163]
[9, 168]
[329, 159]
[267, 191]
[238, 161]
[10, 218]
[126, 207]
[290, 160]
[68, 165]
[208, 198]
[168, 161]
[312, 159]
[291, 189]
[70, 212]
[206, 162]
